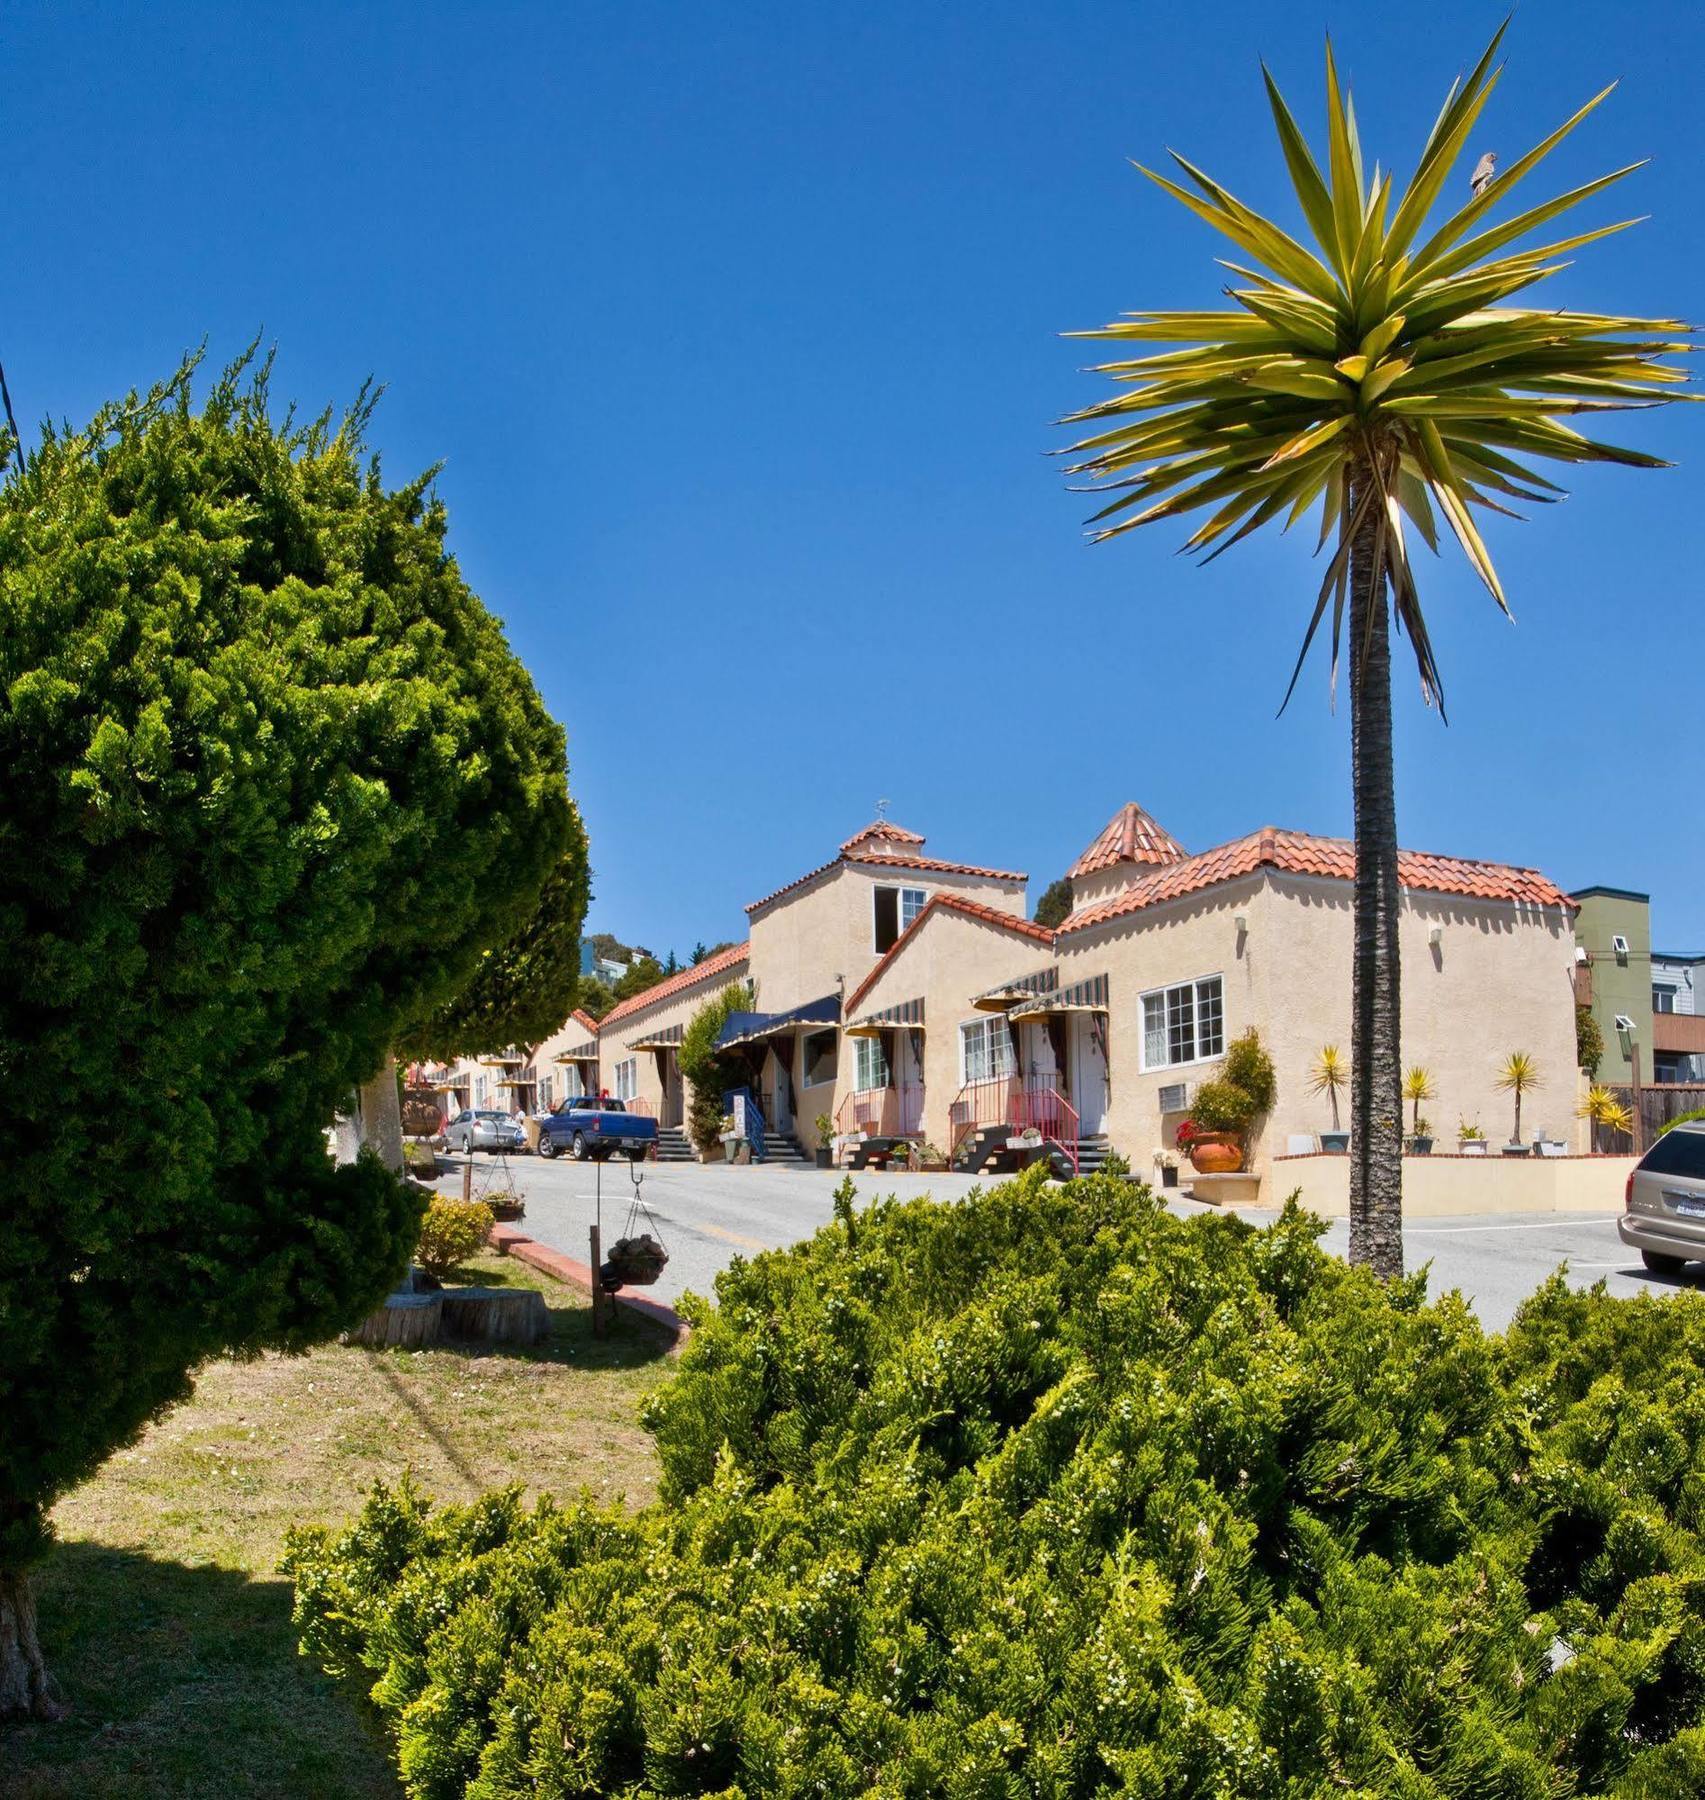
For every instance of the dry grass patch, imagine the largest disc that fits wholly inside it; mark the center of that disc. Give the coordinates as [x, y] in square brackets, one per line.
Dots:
[162, 1613]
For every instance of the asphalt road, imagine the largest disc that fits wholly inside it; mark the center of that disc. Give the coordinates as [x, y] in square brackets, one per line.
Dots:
[707, 1215]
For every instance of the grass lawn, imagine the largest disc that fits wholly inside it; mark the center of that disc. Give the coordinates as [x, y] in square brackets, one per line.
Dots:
[162, 1613]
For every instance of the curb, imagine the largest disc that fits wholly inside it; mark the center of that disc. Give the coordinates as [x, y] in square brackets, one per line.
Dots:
[507, 1241]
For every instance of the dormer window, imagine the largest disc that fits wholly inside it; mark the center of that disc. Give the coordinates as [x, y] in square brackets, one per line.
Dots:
[895, 909]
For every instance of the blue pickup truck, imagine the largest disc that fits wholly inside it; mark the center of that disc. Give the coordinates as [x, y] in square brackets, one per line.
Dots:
[593, 1130]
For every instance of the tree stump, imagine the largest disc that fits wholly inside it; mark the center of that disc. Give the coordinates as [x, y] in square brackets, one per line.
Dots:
[495, 1315]
[405, 1321]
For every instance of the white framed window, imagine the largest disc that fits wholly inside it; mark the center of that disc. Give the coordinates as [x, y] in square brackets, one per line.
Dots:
[892, 910]
[546, 1092]
[627, 1078]
[1184, 1024]
[1663, 997]
[985, 1049]
[482, 1091]
[572, 1086]
[870, 1064]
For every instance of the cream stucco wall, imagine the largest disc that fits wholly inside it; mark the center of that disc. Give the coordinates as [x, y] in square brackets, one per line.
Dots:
[1437, 1186]
[807, 942]
[1500, 979]
[1160, 946]
[950, 958]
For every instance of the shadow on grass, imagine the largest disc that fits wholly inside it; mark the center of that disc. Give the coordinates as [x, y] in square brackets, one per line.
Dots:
[185, 1681]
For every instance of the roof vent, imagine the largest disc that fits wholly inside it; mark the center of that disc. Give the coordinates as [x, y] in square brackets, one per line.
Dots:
[1175, 1097]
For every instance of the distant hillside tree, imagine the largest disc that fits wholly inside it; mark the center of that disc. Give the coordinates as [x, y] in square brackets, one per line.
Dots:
[1056, 903]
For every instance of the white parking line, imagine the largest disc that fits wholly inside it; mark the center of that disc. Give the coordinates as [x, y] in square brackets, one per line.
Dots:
[1545, 1225]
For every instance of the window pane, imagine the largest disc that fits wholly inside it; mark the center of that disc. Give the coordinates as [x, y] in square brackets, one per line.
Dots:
[912, 902]
[976, 1051]
[1210, 1018]
[1000, 1047]
[1677, 1152]
[1154, 1031]
[1181, 1024]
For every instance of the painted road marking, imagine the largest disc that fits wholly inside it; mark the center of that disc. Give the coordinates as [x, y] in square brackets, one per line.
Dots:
[1546, 1225]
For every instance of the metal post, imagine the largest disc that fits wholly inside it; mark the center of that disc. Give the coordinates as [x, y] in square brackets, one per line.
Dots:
[600, 1300]
[468, 1175]
[1639, 1115]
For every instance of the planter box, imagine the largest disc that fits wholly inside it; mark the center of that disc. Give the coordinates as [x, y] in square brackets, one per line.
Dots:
[1419, 1146]
[1515, 1149]
[825, 1159]
[1335, 1143]
[1168, 1177]
[1471, 1146]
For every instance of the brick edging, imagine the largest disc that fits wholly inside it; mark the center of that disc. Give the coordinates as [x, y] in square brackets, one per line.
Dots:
[507, 1241]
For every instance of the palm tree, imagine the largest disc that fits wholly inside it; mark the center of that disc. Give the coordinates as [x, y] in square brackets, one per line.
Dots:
[1329, 1076]
[1418, 1086]
[1519, 1074]
[1374, 372]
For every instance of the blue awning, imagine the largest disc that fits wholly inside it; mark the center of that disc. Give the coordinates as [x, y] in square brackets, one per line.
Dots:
[750, 1027]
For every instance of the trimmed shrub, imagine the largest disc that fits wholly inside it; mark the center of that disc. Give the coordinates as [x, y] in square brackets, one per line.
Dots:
[453, 1232]
[1681, 1118]
[1049, 1493]
[1248, 1066]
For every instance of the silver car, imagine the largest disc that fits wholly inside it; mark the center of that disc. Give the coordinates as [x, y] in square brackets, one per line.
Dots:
[471, 1130]
[1664, 1216]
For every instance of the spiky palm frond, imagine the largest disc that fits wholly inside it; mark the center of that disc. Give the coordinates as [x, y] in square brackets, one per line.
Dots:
[1369, 373]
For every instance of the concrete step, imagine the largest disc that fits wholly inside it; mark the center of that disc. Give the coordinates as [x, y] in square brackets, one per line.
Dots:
[673, 1145]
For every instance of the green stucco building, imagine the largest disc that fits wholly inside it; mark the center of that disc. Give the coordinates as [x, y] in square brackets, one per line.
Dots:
[1613, 932]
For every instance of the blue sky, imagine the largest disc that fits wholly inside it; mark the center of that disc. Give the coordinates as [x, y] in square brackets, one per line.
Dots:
[735, 329]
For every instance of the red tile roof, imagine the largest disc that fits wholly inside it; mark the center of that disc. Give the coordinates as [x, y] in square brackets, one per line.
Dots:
[1301, 853]
[585, 1020]
[720, 964]
[881, 828]
[867, 858]
[972, 909]
[1130, 836]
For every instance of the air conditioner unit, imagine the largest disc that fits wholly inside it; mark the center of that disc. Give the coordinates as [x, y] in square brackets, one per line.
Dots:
[1175, 1097]
[1620, 945]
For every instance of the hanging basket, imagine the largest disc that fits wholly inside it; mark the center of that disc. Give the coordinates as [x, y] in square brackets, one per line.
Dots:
[633, 1262]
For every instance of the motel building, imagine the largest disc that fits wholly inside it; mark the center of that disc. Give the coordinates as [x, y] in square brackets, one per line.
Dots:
[903, 997]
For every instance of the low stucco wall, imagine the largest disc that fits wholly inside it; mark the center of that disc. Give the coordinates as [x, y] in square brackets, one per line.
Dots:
[1438, 1185]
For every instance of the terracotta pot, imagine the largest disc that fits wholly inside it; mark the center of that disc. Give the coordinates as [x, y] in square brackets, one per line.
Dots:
[1216, 1153]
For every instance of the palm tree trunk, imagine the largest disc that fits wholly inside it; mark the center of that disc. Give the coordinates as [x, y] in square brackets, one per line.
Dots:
[1376, 1081]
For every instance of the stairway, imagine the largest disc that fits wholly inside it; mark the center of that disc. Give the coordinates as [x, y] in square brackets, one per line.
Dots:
[783, 1152]
[1091, 1154]
[982, 1149]
[672, 1145]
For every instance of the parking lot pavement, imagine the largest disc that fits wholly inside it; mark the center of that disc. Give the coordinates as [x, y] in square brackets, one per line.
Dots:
[707, 1215]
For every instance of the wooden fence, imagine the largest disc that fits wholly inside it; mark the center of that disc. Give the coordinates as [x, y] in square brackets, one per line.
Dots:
[1658, 1105]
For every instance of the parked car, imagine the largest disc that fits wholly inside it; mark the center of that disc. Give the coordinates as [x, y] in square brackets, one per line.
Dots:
[472, 1130]
[1664, 1207]
[594, 1130]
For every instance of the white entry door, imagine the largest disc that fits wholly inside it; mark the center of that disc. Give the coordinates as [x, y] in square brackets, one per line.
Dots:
[1089, 1070]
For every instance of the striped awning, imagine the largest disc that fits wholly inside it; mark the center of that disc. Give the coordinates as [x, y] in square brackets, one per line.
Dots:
[909, 1014]
[501, 1059]
[518, 1081]
[1013, 993]
[665, 1037]
[1086, 996]
[755, 1027]
[580, 1053]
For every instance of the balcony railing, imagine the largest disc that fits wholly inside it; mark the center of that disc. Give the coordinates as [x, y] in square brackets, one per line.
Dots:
[1007, 1101]
[884, 1112]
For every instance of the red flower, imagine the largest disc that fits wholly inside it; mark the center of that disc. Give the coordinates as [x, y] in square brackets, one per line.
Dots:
[1186, 1134]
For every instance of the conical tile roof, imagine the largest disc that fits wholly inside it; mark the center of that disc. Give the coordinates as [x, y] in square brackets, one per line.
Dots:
[1130, 836]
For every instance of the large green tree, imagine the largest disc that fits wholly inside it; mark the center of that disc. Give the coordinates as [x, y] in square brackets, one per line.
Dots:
[274, 782]
[1367, 367]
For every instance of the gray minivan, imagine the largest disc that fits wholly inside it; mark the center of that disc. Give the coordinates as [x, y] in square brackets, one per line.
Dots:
[1664, 1207]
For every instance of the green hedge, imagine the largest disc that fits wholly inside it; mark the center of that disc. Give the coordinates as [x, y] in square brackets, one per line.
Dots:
[1048, 1493]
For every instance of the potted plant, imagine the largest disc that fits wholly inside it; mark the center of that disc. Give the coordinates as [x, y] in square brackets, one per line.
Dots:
[899, 1154]
[1217, 1122]
[931, 1157]
[1330, 1075]
[1470, 1139]
[1166, 1161]
[1418, 1086]
[825, 1141]
[1518, 1074]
